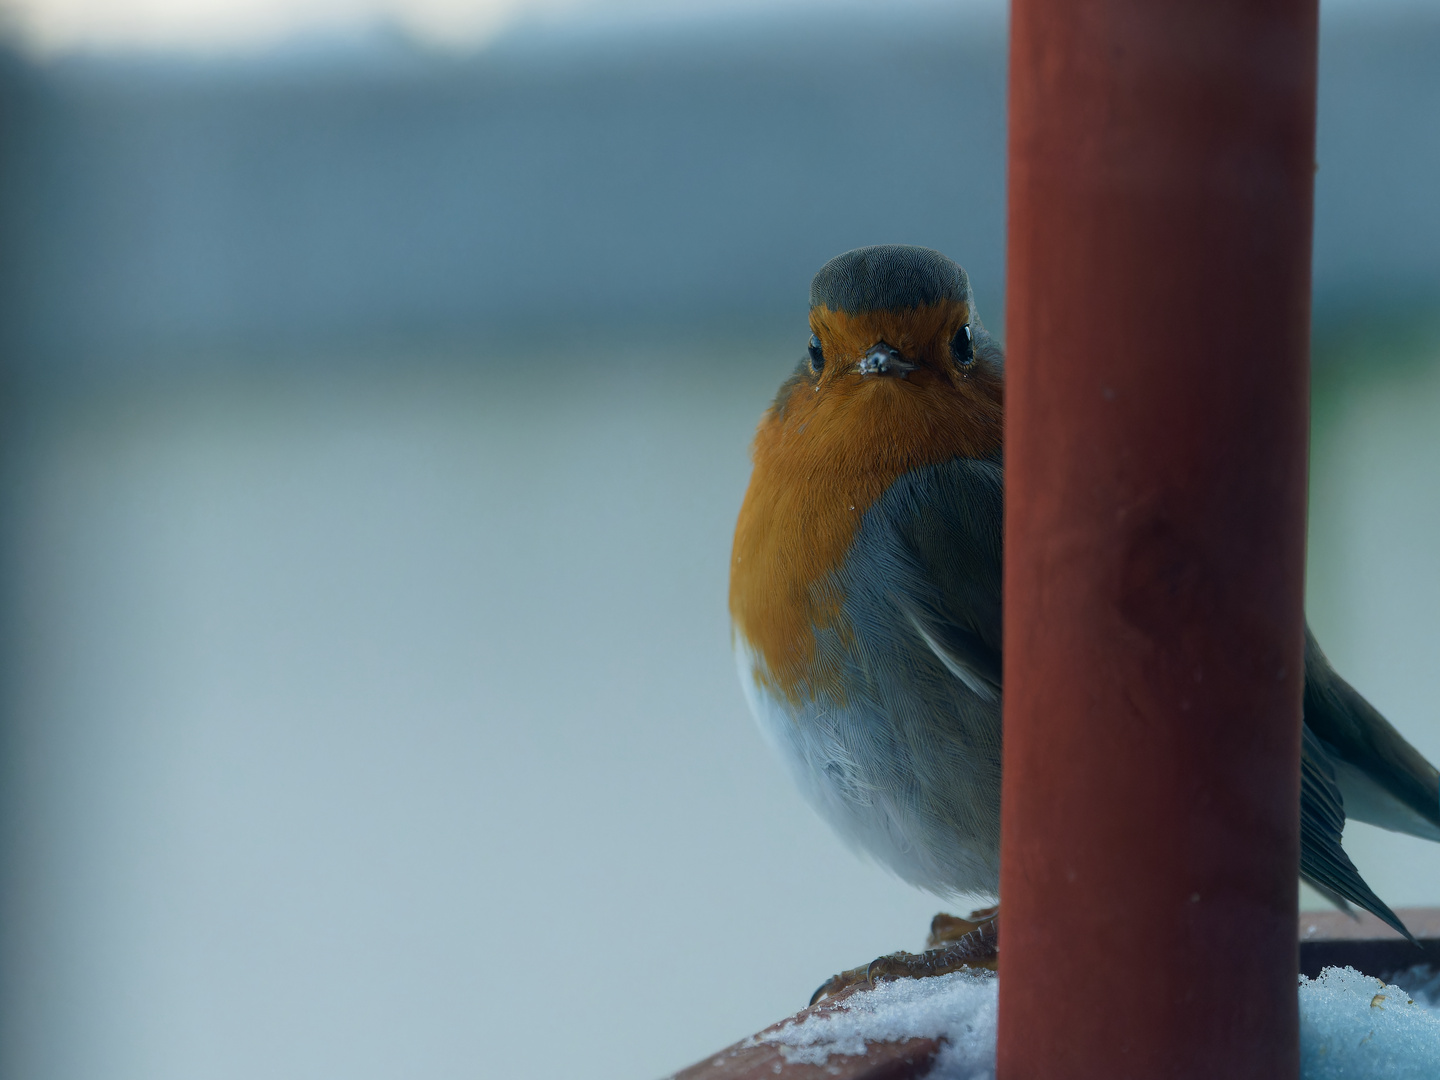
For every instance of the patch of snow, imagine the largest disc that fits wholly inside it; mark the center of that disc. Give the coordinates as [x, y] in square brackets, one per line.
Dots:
[1352, 1026]
[1421, 982]
[959, 1007]
[1355, 1027]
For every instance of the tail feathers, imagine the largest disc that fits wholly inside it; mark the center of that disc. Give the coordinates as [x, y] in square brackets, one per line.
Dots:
[1385, 780]
[1338, 878]
[1323, 862]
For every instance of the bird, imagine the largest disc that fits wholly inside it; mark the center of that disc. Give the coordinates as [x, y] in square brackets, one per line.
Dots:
[865, 604]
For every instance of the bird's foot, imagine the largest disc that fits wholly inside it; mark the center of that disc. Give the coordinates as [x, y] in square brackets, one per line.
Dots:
[947, 928]
[953, 943]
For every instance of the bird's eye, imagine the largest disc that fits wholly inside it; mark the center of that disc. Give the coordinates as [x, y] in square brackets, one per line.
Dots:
[817, 355]
[963, 347]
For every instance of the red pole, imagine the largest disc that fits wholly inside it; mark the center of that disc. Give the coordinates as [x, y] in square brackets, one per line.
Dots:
[1161, 165]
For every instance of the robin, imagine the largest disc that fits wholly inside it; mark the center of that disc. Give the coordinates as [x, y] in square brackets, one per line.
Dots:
[865, 593]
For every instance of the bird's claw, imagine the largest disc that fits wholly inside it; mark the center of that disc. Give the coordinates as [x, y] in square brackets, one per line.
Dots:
[947, 928]
[956, 943]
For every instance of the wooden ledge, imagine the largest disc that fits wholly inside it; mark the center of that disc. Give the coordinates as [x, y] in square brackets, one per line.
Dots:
[753, 1060]
[1334, 939]
[1327, 939]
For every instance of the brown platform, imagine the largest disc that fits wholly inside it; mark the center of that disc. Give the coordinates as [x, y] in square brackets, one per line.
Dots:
[881, 1061]
[1327, 939]
[1334, 939]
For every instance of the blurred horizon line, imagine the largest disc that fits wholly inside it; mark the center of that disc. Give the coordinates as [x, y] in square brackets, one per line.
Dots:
[361, 29]
[366, 27]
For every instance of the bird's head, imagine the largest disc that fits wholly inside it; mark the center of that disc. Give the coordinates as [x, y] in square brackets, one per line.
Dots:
[898, 361]
[895, 314]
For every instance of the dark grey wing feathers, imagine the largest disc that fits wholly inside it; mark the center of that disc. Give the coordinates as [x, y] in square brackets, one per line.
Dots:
[1356, 734]
[963, 653]
[951, 522]
[949, 519]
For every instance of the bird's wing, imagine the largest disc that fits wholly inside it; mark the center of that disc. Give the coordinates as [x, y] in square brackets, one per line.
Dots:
[964, 655]
[1323, 862]
[1383, 779]
[950, 519]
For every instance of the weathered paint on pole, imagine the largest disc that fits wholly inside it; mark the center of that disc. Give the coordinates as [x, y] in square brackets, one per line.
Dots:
[1161, 172]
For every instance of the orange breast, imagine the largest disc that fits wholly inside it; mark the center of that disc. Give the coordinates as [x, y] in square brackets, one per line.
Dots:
[823, 454]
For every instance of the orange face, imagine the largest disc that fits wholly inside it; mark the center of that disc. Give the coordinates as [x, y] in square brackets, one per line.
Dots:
[921, 336]
[825, 451]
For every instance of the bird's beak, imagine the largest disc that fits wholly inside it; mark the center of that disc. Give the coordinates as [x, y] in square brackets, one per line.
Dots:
[884, 360]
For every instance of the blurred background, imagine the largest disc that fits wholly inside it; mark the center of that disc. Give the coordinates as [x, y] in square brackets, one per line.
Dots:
[377, 383]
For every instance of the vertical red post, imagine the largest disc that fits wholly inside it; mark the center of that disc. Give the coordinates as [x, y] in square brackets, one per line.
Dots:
[1161, 169]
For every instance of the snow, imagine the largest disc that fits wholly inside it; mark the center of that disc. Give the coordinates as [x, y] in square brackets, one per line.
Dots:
[1352, 1026]
[960, 1007]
